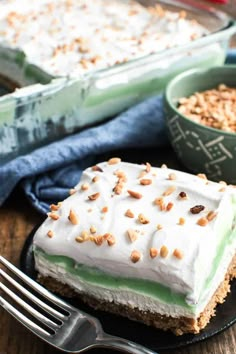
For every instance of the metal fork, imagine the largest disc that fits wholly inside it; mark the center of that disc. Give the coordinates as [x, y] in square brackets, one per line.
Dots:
[61, 325]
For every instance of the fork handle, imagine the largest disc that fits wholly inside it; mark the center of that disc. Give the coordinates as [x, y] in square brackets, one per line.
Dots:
[124, 345]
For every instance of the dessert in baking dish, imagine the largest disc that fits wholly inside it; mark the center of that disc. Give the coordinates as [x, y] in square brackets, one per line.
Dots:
[153, 244]
[71, 37]
[78, 63]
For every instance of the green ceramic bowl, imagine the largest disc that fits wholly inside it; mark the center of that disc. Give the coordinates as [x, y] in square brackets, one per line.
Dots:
[201, 149]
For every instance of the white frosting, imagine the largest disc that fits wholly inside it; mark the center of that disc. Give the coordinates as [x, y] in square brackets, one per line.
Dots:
[70, 37]
[199, 244]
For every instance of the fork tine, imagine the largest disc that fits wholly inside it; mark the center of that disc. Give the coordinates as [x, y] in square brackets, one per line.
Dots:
[35, 285]
[32, 297]
[28, 308]
[24, 320]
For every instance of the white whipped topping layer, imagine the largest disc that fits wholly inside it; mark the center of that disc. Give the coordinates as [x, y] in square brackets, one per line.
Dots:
[199, 244]
[70, 37]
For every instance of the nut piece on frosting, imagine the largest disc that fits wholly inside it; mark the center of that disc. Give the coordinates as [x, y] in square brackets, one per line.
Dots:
[73, 217]
[135, 256]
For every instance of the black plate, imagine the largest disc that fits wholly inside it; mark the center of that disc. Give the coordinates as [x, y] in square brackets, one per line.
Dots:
[150, 337]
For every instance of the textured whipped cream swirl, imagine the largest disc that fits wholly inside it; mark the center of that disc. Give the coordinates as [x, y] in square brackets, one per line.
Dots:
[71, 37]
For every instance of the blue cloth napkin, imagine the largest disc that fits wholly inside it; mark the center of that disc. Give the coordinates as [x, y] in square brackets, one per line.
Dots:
[48, 173]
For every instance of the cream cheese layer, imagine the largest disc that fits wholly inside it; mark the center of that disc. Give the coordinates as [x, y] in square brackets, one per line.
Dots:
[71, 37]
[145, 223]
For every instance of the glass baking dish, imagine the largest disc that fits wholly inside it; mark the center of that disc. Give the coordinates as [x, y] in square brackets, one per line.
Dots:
[49, 108]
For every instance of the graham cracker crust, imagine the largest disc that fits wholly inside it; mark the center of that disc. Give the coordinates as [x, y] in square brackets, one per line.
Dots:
[178, 326]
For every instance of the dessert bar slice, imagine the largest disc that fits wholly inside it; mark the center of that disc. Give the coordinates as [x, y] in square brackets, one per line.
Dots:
[153, 244]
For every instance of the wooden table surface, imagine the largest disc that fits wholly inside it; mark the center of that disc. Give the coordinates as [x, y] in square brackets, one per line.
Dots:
[17, 219]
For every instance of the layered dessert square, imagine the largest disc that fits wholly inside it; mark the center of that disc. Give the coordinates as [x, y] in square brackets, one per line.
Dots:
[153, 244]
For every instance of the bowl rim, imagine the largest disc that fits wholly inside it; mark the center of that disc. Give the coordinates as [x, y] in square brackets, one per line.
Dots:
[189, 73]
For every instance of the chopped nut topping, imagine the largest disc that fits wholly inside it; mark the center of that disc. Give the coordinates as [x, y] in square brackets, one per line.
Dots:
[129, 213]
[143, 219]
[79, 239]
[183, 195]
[105, 209]
[95, 179]
[84, 234]
[55, 207]
[97, 168]
[214, 108]
[160, 202]
[202, 221]
[172, 176]
[94, 196]
[118, 187]
[93, 230]
[169, 206]
[164, 252]
[53, 216]
[114, 161]
[96, 59]
[148, 167]
[211, 215]
[72, 191]
[178, 253]
[223, 183]
[50, 233]
[153, 252]
[73, 217]
[202, 175]
[111, 240]
[169, 190]
[106, 236]
[121, 175]
[145, 181]
[85, 187]
[122, 179]
[135, 256]
[84, 63]
[132, 234]
[197, 209]
[159, 227]
[181, 221]
[142, 174]
[98, 240]
[134, 194]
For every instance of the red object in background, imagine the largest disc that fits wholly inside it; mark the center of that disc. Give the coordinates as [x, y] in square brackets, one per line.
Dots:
[219, 1]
